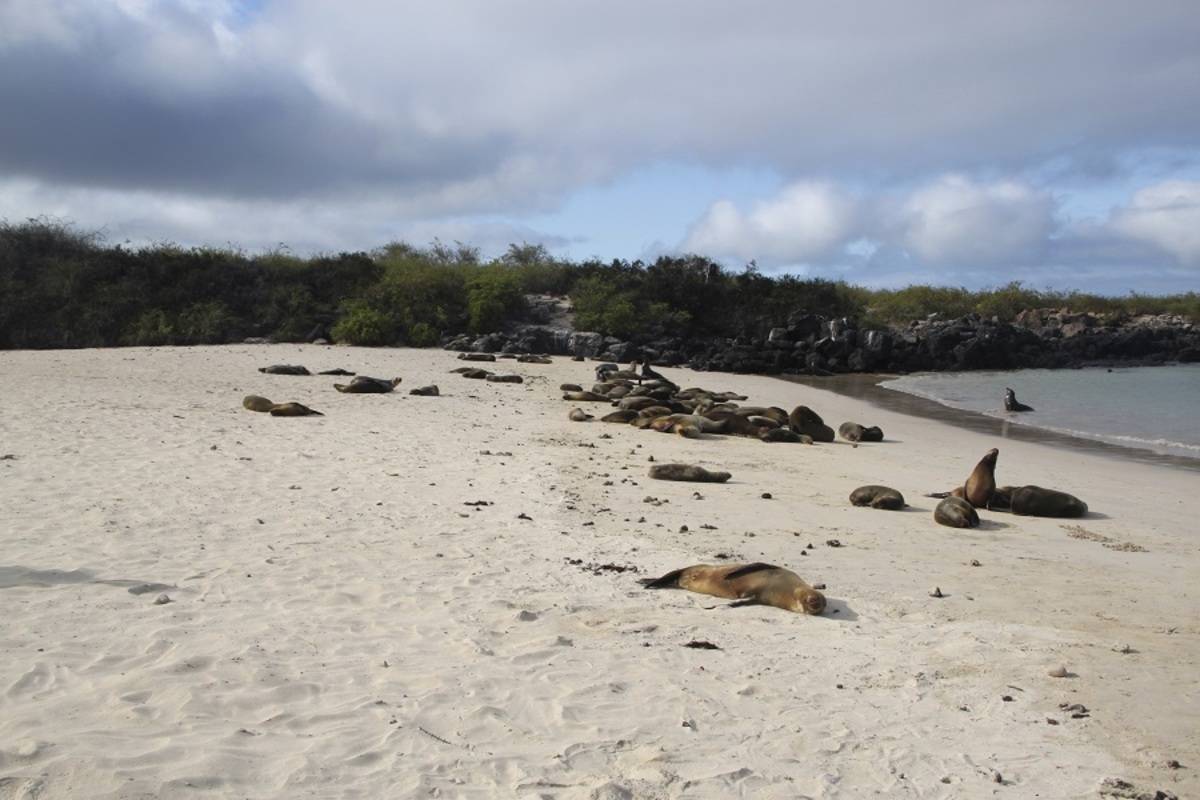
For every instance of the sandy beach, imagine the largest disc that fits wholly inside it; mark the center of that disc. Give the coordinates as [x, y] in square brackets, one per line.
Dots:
[438, 597]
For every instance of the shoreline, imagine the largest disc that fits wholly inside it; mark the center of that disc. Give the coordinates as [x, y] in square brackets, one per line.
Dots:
[867, 387]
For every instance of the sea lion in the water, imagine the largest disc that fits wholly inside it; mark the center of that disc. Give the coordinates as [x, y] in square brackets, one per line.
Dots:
[505, 379]
[762, 584]
[1012, 404]
[284, 369]
[476, 357]
[338, 371]
[687, 472]
[981, 483]
[804, 420]
[425, 391]
[293, 410]
[874, 496]
[853, 432]
[579, 415]
[253, 402]
[1034, 501]
[956, 513]
[585, 397]
[364, 385]
[624, 416]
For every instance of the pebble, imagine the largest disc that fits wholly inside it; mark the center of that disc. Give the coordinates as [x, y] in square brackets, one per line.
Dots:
[162, 600]
[1059, 672]
[937, 592]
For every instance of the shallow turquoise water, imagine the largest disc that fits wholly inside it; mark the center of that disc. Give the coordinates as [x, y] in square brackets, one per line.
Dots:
[1151, 408]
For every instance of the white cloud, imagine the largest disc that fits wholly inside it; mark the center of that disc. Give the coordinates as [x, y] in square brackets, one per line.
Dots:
[1166, 215]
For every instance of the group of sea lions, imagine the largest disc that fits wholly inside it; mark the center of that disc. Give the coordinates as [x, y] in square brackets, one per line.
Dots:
[958, 508]
[359, 384]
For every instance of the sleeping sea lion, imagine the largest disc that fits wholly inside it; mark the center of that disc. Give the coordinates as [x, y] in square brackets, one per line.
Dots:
[425, 391]
[1034, 501]
[531, 359]
[364, 385]
[784, 435]
[579, 415]
[955, 512]
[853, 432]
[253, 402]
[505, 379]
[476, 357]
[570, 387]
[637, 403]
[874, 496]
[338, 371]
[654, 411]
[585, 397]
[687, 472]
[476, 374]
[687, 430]
[284, 369]
[981, 483]
[804, 420]
[1012, 404]
[602, 370]
[293, 410]
[761, 584]
[624, 416]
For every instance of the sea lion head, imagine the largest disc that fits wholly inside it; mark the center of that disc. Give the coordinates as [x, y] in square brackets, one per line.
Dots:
[809, 601]
[990, 457]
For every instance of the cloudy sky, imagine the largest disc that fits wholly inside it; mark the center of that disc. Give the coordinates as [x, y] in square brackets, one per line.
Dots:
[885, 142]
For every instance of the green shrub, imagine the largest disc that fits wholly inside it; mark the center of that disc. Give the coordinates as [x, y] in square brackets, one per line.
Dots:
[364, 326]
[422, 335]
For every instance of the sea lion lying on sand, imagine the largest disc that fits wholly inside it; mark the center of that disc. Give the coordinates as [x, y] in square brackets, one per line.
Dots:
[687, 472]
[1034, 501]
[475, 374]
[284, 369]
[762, 584]
[505, 379]
[476, 357]
[579, 415]
[623, 417]
[570, 387]
[293, 410]
[364, 385]
[338, 371]
[853, 432]
[804, 420]
[585, 397]
[785, 435]
[955, 512]
[531, 359]
[253, 402]
[878, 497]
[425, 391]
[981, 483]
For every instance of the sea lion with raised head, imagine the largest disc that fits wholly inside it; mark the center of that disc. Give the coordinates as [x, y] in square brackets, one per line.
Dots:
[687, 472]
[875, 496]
[364, 385]
[804, 420]
[293, 410]
[284, 369]
[760, 584]
[981, 483]
[1034, 501]
[425, 391]
[253, 402]
[579, 415]
[853, 432]
[1012, 404]
[955, 512]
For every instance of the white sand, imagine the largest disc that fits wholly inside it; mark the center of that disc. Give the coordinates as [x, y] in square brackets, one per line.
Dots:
[342, 625]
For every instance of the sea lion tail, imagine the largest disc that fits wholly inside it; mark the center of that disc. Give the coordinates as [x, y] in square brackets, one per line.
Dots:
[668, 581]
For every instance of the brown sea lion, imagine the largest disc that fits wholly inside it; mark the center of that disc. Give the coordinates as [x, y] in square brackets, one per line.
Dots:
[874, 496]
[853, 432]
[293, 410]
[476, 357]
[687, 472]
[981, 483]
[637, 403]
[570, 387]
[585, 397]
[253, 402]
[531, 359]
[955, 512]
[426, 391]
[1001, 498]
[338, 371]
[1034, 501]
[784, 435]
[654, 411]
[623, 417]
[364, 385]
[505, 379]
[761, 584]
[687, 430]
[579, 415]
[476, 374]
[804, 420]
[284, 369]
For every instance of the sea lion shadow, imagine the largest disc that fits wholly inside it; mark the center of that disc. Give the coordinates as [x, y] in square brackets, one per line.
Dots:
[992, 525]
[1095, 515]
[838, 610]
[13, 576]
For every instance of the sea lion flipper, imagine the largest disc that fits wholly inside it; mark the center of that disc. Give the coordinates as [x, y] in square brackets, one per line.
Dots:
[757, 566]
[743, 603]
[668, 581]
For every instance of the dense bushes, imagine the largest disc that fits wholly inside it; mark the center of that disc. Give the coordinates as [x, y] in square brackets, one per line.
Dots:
[60, 287]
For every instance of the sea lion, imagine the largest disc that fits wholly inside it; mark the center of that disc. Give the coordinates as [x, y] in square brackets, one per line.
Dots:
[602, 370]
[476, 374]
[1001, 498]
[293, 410]
[874, 496]
[476, 357]
[687, 472]
[655, 411]
[531, 359]
[636, 403]
[364, 385]
[1012, 404]
[338, 371]
[955, 512]
[804, 420]
[570, 387]
[1034, 501]
[981, 483]
[785, 435]
[619, 391]
[624, 416]
[284, 369]
[579, 415]
[505, 379]
[641, 423]
[761, 584]
[253, 402]
[585, 397]
[853, 432]
[704, 424]
[647, 373]
[687, 430]
[425, 391]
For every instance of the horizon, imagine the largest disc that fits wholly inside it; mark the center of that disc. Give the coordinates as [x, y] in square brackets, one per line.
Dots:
[933, 144]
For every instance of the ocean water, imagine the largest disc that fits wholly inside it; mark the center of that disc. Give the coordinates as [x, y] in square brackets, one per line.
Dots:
[1148, 408]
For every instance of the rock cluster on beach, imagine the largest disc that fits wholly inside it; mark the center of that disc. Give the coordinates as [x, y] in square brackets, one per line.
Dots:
[816, 345]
